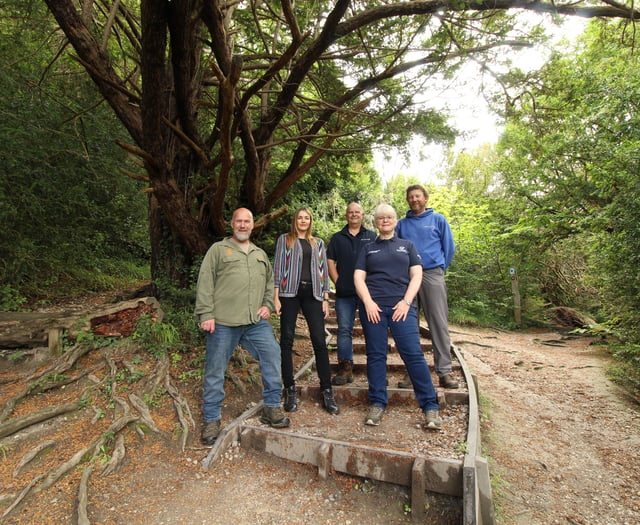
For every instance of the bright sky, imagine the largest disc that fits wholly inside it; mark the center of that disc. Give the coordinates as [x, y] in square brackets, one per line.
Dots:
[470, 114]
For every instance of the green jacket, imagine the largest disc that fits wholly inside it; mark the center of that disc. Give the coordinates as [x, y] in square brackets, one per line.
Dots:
[233, 285]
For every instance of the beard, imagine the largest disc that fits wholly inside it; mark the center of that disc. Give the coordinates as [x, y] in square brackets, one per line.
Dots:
[242, 236]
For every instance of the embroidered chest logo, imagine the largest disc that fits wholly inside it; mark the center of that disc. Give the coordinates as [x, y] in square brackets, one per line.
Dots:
[402, 249]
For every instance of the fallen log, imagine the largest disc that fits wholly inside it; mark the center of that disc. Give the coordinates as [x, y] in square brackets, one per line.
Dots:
[19, 330]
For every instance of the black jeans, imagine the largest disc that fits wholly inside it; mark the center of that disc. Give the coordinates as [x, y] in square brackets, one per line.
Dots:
[312, 311]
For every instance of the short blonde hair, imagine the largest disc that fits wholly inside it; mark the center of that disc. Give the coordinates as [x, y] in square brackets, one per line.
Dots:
[384, 209]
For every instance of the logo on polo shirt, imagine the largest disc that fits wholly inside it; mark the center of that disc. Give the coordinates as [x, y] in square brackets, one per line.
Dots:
[402, 249]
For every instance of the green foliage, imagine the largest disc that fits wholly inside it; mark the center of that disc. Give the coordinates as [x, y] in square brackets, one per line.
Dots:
[155, 399]
[71, 221]
[190, 375]
[16, 356]
[327, 191]
[11, 300]
[568, 164]
[155, 337]
[627, 371]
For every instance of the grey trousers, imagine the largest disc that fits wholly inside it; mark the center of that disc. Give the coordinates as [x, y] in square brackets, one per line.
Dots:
[433, 300]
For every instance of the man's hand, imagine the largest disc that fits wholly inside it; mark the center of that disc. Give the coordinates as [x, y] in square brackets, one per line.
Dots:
[208, 326]
[264, 312]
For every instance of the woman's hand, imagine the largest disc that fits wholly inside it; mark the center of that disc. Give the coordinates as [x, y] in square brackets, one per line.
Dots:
[325, 308]
[400, 311]
[373, 311]
[276, 303]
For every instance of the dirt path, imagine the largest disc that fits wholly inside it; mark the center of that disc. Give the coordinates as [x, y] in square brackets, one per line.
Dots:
[563, 441]
[563, 446]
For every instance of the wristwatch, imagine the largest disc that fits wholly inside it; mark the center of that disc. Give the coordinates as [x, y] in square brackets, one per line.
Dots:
[406, 302]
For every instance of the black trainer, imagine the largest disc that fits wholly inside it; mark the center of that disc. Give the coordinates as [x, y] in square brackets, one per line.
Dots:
[290, 399]
[329, 402]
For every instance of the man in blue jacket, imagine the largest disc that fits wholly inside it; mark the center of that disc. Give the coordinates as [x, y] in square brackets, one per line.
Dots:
[342, 254]
[431, 234]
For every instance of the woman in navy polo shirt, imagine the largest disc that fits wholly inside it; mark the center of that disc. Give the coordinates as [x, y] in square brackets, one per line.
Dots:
[387, 276]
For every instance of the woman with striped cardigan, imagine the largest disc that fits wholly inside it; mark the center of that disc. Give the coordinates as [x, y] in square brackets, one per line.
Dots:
[301, 280]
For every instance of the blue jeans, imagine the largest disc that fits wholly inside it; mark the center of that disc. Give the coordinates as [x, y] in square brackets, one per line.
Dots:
[312, 310]
[345, 314]
[259, 341]
[407, 339]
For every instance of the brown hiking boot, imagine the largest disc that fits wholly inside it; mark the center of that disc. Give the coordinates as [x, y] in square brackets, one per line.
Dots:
[447, 381]
[345, 372]
[210, 432]
[405, 382]
[274, 417]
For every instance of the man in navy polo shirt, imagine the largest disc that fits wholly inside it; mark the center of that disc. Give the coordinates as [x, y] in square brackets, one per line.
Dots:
[387, 277]
[342, 253]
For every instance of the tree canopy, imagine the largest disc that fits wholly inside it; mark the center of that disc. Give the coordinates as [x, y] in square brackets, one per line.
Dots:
[232, 103]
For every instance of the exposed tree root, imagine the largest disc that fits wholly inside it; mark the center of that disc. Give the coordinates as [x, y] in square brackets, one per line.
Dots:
[237, 382]
[22, 495]
[64, 362]
[49, 378]
[82, 518]
[127, 385]
[90, 451]
[125, 389]
[150, 383]
[14, 425]
[117, 457]
[182, 410]
[32, 454]
[145, 414]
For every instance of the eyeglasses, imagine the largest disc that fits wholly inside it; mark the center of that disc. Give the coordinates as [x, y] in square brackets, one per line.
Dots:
[385, 218]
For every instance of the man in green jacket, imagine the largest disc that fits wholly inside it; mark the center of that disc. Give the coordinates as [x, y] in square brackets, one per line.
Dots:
[234, 300]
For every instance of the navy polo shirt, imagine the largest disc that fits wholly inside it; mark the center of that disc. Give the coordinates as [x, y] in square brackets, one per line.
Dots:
[344, 249]
[387, 264]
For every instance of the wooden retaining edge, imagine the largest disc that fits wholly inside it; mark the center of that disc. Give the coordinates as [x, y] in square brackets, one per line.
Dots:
[441, 475]
[476, 485]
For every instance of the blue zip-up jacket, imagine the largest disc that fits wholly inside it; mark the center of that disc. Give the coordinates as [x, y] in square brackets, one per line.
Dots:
[431, 234]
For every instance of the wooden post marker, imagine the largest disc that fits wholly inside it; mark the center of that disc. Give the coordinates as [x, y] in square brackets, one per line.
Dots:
[513, 273]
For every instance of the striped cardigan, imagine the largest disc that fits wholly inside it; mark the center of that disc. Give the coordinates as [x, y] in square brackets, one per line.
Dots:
[287, 268]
